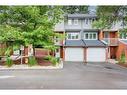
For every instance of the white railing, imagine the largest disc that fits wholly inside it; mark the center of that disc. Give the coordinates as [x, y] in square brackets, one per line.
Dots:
[111, 41]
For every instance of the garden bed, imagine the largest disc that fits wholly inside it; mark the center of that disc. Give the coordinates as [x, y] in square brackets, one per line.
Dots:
[25, 66]
[41, 64]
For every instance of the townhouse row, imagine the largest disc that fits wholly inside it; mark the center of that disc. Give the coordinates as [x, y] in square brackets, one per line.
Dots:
[87, 44]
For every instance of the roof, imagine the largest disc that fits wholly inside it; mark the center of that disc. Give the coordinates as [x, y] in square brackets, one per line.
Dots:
[85, 43]
[85, 30]
[94, 43]
[74, 43]
[81, 15]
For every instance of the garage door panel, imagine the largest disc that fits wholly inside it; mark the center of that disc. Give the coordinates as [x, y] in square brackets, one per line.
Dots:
[96, 54]
[74, 54]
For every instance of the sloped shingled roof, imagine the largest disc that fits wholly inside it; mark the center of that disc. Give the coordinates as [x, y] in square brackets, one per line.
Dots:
[94, 43]
[85, 43]
[74, 43]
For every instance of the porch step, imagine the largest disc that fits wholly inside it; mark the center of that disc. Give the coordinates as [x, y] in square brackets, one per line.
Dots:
[113, 61]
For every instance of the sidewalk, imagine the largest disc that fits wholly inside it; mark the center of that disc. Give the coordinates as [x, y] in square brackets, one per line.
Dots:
[24, 66]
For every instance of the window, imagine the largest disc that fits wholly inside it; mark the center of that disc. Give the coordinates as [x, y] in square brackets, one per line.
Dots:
[72, 36]
[75, 21]
[94, 36]
[93, 19]
[89, 36]
[56, 40]
[90, 20]
[69, 21]
[86, 21]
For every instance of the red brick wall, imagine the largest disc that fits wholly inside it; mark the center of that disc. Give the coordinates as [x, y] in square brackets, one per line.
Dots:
[61, 52]
[121, 48]
[101, 35]
[85, 54]
[64, 54]
[41, 52]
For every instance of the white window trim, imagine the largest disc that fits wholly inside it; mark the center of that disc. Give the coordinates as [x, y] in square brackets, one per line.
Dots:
[71, 36]
[86, 21]
[69, 22]
[89, 35]
[76, 21]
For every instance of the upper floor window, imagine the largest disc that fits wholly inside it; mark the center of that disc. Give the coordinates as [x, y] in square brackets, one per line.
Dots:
[56, 40]
[72, 36]
[90, 36]
[69, 21]
[86, 21]
[75, 21]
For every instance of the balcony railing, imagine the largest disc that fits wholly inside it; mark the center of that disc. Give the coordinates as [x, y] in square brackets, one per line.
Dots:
[111, 41]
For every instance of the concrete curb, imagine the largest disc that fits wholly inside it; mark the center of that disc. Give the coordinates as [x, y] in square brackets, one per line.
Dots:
[121, 66]
[26, 67]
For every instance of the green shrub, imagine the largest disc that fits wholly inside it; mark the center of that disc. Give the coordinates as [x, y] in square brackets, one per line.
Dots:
[55, 61]
[52, 59]
[58, 59]
[122, 58]
[48, 57]
[32, 61]
[9, 62]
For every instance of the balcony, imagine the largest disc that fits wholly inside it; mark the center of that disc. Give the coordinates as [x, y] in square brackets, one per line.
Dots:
[111, 41]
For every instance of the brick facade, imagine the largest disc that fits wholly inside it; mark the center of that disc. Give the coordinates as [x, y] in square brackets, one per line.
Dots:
[120, 49]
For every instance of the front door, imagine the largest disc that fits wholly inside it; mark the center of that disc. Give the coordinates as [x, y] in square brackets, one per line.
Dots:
[112, 52]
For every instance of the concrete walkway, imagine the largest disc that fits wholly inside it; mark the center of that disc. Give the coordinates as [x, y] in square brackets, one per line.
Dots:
[72, 76]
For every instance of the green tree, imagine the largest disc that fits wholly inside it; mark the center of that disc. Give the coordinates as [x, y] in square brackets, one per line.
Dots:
[107, 15]
[75, 9]
[29, 24]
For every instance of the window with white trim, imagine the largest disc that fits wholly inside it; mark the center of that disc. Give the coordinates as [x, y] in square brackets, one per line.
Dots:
[75, 21]
[72, 36]
[69, 21]
[90, 36]
[86, 21]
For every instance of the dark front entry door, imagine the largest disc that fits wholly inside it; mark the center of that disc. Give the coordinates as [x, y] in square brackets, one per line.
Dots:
[112, 52]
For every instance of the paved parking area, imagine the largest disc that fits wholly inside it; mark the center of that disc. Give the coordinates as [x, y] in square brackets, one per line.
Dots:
[74, 75]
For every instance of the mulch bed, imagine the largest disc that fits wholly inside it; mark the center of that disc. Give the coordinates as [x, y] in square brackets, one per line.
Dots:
[39, 59]
[43, 62]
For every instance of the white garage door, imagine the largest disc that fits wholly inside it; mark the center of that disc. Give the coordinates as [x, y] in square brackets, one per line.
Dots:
[74, 54]
[96, 54]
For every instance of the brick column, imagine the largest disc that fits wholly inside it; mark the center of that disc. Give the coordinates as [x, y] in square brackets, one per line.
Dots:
[63, 54]
[85, 55]
[117, 34]
[25, 54]
[106, 55]
[100, 35]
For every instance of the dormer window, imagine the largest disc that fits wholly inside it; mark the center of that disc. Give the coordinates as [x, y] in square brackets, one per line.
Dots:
[69, 21]
[72, 36]
[75, 21]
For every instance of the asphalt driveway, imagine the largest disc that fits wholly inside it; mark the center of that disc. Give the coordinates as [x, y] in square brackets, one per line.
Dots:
[72, 76]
